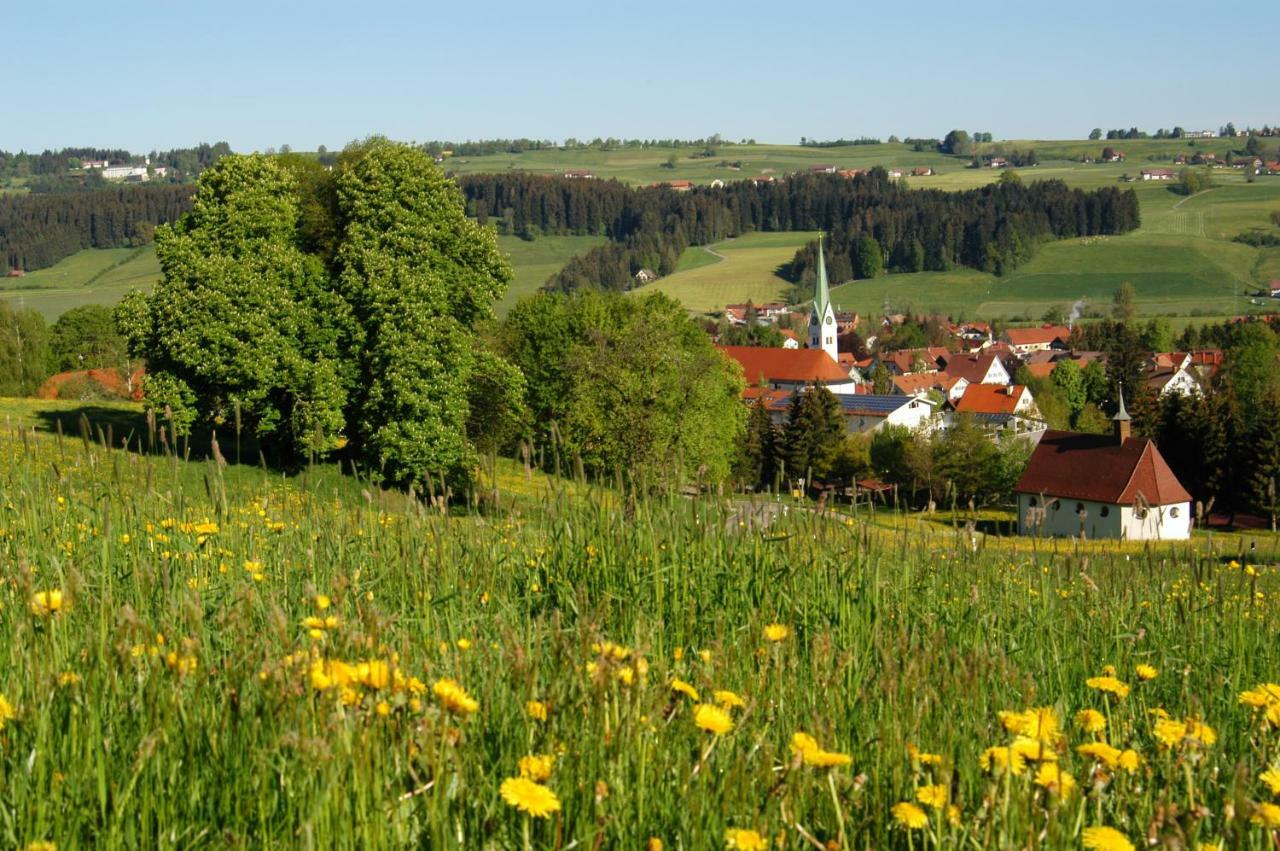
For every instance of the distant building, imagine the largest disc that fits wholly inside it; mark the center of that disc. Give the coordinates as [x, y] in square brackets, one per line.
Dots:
[790, 369]
[1158, 174]
[1102, 486]
[677, 185]
[922, 171]
[1199, 134]
[578, 174]
[822, 169]
[1274, 286]
[1023, 340]
[997, 162]
[646, 276]
[762, 178]
[94, 163]
[871, 412]
[1007, 406]
[896, 172]
[1111, 155]
[822, 317]
[984, 368]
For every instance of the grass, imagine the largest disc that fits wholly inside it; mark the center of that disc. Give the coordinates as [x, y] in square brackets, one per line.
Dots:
[182, 695]
[537, 260]
[91, 276]
[705, 283]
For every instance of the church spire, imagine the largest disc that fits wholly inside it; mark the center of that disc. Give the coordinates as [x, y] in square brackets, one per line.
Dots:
[822, 318]
[1122, 421]
[822, 292]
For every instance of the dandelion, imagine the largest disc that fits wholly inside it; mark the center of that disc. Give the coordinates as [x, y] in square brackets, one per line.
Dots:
[6, 711]
[1108, 684]
[1033, 750]
[47, 603]
[40, 845]
[811, 753]
[1101, 752]
[536, 709]
[454, 697]
[744, 840]
[654, 844]
[537, 767]
[1105, 839]
[712, 718]
[529, 797]
[776, 632]
[932, 796]
[922, 757]
[322, 601]
[685, 689]
[1053, 778]
[1266, 815]
[383, 708]
[1091, 721]
[999, 760]
[909, 815]
[1039, 725]
[728, 699]
[1129, 761]
[1172, 733]
[1271, 777]
[1146, 672]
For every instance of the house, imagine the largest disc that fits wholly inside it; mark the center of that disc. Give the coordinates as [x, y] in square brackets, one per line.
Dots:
[1023, 340]
[973, 335]
[908, 361]
[646, 276]
[1204, 158]
[850, 173]
[1199, 134]
[1250, 165]
[870, 412]
[1274, 287]
[1168, 380]
[1111, 155]
[822, 169]
[790, 339]
[1158, 174]
[776, 402]
[1273, 168]
[578, 174]
[16, 273]
[922, 171]
[999, 406]
[997, 162]
[951, 387]
[790, 369]
[1180, 159]
[1102, 486]
[762, 178]
[984, 368]
[94, 164]
[677, 185]
[896, 172]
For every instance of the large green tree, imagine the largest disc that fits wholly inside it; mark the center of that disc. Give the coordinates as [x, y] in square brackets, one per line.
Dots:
[813, 433]
[86, 337]
[24, 351]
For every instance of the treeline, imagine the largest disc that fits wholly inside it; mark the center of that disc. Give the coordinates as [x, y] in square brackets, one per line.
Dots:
[39, 230]
[51, 171]
[838, 143]
[992, 228]
[486, 147]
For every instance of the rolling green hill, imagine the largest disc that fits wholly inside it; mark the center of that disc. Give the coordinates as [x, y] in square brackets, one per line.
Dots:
[92, 276]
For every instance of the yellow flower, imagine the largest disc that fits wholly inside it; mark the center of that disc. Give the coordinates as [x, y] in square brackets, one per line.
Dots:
[40, 845]
[463, 643]
[455, 699]
[536, 709]
[1266, 815]
[1173, 733]
[684, 688]
[1102, 752]
[1129, 760]
[776, 632]
[1091, 721]
[537, 767]
[1040, 724]
[654, 844]
[712, 718]
[922, 757]
[909, 815]
[322, 601]
[6, 711]
[1105, 839]
[529, 797]
[998, 760]
[1271, 777]
[383, 708]
[1108, 684]
[932, 796]
[1146, 672]
[1034, 750]
[68, 678]
[1053, 778]
[1264, 695]
[728, 699]
[744, 840]
[46, 603]
[811, 753]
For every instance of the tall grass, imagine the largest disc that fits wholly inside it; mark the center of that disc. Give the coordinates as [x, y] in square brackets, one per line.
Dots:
[175, 700]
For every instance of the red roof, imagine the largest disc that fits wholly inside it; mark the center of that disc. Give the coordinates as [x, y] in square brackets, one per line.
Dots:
[1037, 336]
[1041, 370]
[972, 368]
[763, 364]
[990, 399]
[1094, 467]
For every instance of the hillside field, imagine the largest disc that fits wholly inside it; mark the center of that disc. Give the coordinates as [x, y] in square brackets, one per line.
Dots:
[194, 655]
[91, 276]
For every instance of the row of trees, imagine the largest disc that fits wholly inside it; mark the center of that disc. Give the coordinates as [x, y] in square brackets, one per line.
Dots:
[30, 350]
[39, 230]
[184, 164]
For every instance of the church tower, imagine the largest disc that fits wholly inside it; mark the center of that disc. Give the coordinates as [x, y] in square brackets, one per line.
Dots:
[822, 317]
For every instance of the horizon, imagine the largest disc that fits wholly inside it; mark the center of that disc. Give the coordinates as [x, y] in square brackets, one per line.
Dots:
[263, 77]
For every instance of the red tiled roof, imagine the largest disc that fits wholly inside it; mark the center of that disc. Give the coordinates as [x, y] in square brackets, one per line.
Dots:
[792, 365]
[774, 400]
[990, 399]
[1094, 467]
[918, 382]
[973, 368]
[1041, 370]
[1037, 336]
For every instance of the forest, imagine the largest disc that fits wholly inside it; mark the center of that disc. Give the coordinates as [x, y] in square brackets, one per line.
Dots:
[874, 223]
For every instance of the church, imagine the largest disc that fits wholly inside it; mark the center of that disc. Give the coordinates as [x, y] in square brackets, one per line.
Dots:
[822, 315]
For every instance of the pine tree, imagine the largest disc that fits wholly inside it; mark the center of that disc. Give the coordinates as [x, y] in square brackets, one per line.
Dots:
[815, 427]
[760, 445]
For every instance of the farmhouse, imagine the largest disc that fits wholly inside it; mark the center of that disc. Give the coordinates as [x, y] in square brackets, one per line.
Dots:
[997, 162]
[922, 171]
[1199, 134]
[822, 169]
[790, 369]
[1000, 406]
[1023, 340]
[1111, 155]
[1274, 286]
[578, 174]
[646, 276]
[951, 387]
[896, 172]
[677, 185]
[870, 412]
[1158, 174]
[908, 361]
[1102, 486]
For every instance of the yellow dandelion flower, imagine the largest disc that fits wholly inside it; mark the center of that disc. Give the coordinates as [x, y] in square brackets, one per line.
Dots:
[536, 709]
[1053, 778]
[728, 699]
[684, 688]
[383, 708]
[6, 711]
[1262, 696]
[537, 766]
[529, 797]
[1146, 672]
[654, 844]
[909, 815]
[776, 632]
[1108, 684]
[1105, 839]
[1172, 733]
[1129, 761]
[743, 839]
[463, 643]
[1091, 721]
[1040, 724]
[935, 796]
[46, 603]
[811, 753]
[454, 697]
[322, 601]
[1271, 777]
[1266, 815]
[923, 757]
[712, 718]
[999, 759]
[40, 845]
[1034, 750]
[1101, 752]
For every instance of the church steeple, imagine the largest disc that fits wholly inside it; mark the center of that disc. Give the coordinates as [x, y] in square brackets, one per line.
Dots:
[1122, 422]
[822, 317]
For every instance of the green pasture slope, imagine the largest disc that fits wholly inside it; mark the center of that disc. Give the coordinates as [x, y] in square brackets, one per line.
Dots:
[92, 276]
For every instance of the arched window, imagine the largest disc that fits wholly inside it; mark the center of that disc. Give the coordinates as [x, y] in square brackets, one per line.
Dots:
[1032, 503]
[1104, 511]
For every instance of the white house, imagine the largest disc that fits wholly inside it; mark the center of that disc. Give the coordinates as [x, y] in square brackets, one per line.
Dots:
[984, 368]
[1023, 340]
[1000, 406]
[1102, 486]
[870, 412]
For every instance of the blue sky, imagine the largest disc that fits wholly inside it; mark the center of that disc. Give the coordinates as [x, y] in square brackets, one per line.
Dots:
[265, 74]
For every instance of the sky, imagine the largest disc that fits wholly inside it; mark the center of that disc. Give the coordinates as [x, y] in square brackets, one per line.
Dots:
[266, 74]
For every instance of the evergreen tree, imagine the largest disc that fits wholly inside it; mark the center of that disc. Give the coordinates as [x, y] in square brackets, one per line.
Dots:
[1069, 379]
[758, 463]
[1264, 458]
[815, 427]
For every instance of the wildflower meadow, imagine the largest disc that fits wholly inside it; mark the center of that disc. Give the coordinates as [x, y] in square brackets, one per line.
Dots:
[197, 655]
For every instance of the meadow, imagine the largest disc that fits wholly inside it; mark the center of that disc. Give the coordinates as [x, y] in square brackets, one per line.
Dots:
[91, 276]
[198, 654]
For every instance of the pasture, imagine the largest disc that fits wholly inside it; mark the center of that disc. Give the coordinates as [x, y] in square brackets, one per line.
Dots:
[91, 276]
[205, 656]
[732, 271]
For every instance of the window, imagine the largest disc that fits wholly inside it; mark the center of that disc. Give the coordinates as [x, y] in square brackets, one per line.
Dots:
[1104, 511]
[1140, 513]
[1174, 512]
[830, 319]
[1032, 503]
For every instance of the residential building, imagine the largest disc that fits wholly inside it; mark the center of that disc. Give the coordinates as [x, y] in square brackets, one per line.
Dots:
[1159, 174]
[1023, 340]
[984, 368]
[1009, 406]
[871, 412]
[790, 369]
[579, 174]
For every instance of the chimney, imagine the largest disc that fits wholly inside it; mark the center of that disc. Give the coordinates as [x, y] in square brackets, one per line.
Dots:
[1122, 421]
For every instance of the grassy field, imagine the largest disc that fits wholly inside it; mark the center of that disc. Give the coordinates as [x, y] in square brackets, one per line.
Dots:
[92, 276]
[197, 656]
[534, 262]
[732, 271]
